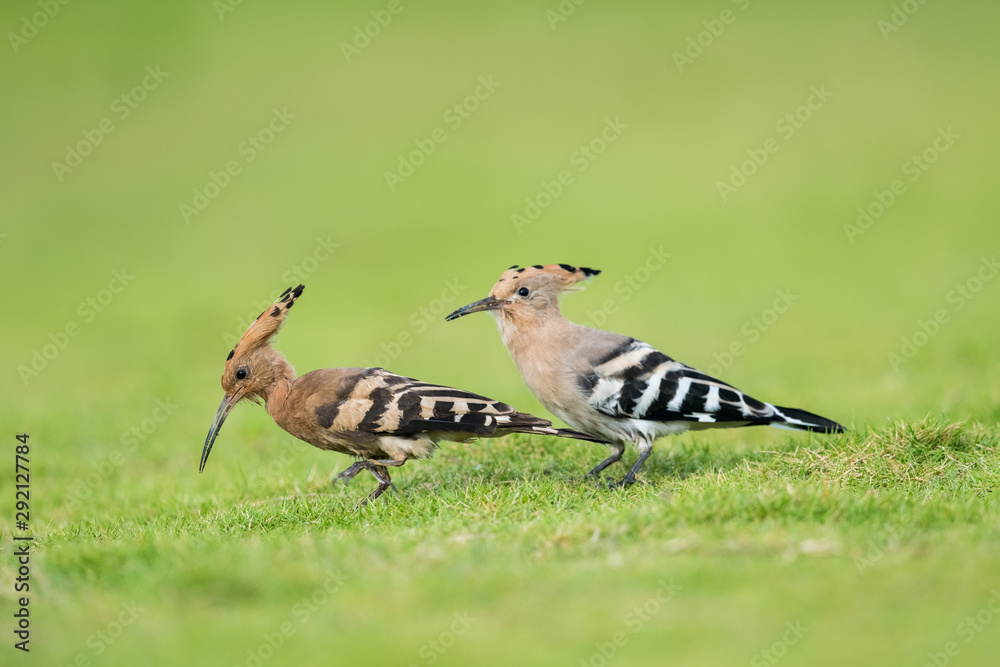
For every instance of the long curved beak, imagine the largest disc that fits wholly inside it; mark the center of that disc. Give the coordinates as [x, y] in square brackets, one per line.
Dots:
[489, 303]
[227, 404]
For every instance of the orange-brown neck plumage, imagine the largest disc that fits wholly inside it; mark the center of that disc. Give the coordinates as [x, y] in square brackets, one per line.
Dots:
[275, 394]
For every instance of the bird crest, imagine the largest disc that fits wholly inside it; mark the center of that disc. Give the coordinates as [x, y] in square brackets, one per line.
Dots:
[267, 324]
[559, 277]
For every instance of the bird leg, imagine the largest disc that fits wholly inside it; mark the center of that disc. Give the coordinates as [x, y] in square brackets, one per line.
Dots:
[352, 471]
[645, 449]
[376, 468]
[617, 450]
[384, 482]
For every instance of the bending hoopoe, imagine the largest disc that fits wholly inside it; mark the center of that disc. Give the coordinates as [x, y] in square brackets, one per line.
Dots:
[610, 386]
[370, 413]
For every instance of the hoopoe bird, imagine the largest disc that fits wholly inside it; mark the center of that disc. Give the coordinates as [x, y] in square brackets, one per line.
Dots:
[610, 386]
[381, 418]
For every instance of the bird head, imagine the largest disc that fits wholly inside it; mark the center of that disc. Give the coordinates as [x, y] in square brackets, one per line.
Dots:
[253, 366]
[526, 291]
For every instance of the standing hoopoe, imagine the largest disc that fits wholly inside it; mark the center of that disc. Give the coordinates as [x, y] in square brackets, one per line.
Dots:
[611, 386]
[370, 413]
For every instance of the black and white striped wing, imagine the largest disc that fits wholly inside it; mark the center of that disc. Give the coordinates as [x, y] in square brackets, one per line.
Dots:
[359, 403]
[404, 406]
[637, 381]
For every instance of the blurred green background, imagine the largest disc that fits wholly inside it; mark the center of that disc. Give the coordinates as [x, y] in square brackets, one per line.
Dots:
[309, 117]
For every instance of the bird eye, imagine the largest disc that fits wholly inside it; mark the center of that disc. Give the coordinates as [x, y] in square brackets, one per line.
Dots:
[241, 373]
[523, 291]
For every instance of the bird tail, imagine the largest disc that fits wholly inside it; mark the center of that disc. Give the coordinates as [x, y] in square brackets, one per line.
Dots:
[570, 433]
[523, 422]
[800, 420]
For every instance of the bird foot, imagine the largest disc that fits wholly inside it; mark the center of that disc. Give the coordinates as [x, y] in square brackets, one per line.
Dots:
[350, 473]
[626, 481]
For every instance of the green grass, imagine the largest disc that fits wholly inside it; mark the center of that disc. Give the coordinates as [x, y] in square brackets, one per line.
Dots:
[881, 542]
[887, 537]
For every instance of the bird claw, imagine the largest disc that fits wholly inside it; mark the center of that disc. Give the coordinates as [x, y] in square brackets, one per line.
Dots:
[619, 484]
[625, 482]
[345, 476]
